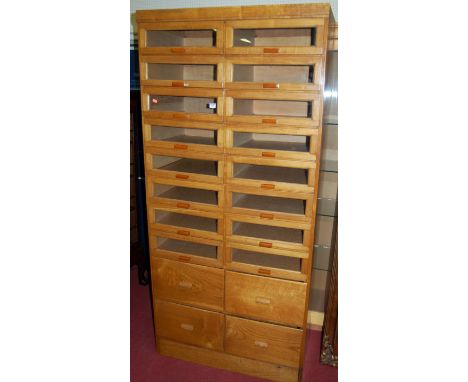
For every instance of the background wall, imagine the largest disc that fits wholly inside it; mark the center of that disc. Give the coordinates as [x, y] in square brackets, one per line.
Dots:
[163, 4]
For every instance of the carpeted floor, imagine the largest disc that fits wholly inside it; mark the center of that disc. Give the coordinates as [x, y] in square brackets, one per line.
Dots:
[147, 366]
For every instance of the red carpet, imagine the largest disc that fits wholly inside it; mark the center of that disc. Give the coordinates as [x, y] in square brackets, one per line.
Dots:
[147, 366]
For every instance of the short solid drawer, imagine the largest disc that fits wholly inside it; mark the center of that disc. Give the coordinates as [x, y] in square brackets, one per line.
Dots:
[189, 325]
[265, 298]
[187, 283]
[262, 341]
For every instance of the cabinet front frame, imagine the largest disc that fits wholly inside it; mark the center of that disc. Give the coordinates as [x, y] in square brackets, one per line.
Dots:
[230, 61]
[318, 48]
[183, 60]
[218, 26]
[147, 91]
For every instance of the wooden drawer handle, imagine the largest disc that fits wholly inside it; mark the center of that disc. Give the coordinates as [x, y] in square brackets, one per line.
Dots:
[269, 120]
[266, 216]
[187, 327]
[183, 233]
[179, 116]
[270, 85]
[270, 50]
[262, 300]
[183, 205]
[267, 186]
[177, 50]
[181, 176]
[268, 154]
[184, 258]
[178, 146]
[179, 84]
[185, 284]
[265, 244]
[261, 344]
[264, 271]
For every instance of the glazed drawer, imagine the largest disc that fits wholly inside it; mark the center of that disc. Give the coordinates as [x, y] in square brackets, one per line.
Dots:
[189, 223]
[187, 283]
[184, 165]
[177, 245]
[180, 195]
[252, 261]
[255, 202]
[262, 341]
[183, 136]
[280, 237]
[204, 105]
[188, 325]
[268, 108]
[272, 142]
[273, 73]
[194, 37]
[271, 174]
[190, 71]
[272, 37]
[265, 298]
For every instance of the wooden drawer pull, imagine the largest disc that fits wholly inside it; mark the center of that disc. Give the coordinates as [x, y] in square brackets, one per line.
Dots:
[261, 344]
[268, 154]
[262, 300]
[270, 50]
[266, 216]
[270, 85]
[177, 50]
[179, 116]
[264, 271]
[183, 205]
[269, 120]
[185, 284]
[181, 176]
[179, 84]
[184, 258]
[267, 186]
[183, 233]
[178, 146]
[265, 244]
[187, 327]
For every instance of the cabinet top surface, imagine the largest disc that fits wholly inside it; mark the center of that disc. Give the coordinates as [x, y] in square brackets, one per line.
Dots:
[234, 13]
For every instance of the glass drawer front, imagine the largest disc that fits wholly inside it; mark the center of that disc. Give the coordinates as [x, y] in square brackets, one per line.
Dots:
[182, 72]
[191, 37]
[272, 107]
[186, 247]
[305, 37]
[274, 74]
[183, 104]
[270, 173]
[184, 196]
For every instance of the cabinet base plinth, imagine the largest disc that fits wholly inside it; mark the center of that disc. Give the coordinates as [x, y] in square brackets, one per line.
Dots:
[227, 361]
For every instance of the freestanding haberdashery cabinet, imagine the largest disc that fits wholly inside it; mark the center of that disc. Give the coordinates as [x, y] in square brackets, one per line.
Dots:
[232, 104]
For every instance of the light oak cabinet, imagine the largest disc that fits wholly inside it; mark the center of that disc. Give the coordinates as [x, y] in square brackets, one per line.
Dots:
[232, 106]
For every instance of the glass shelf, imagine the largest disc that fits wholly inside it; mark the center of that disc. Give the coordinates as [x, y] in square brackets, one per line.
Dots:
[327, 207]
[322, 254]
